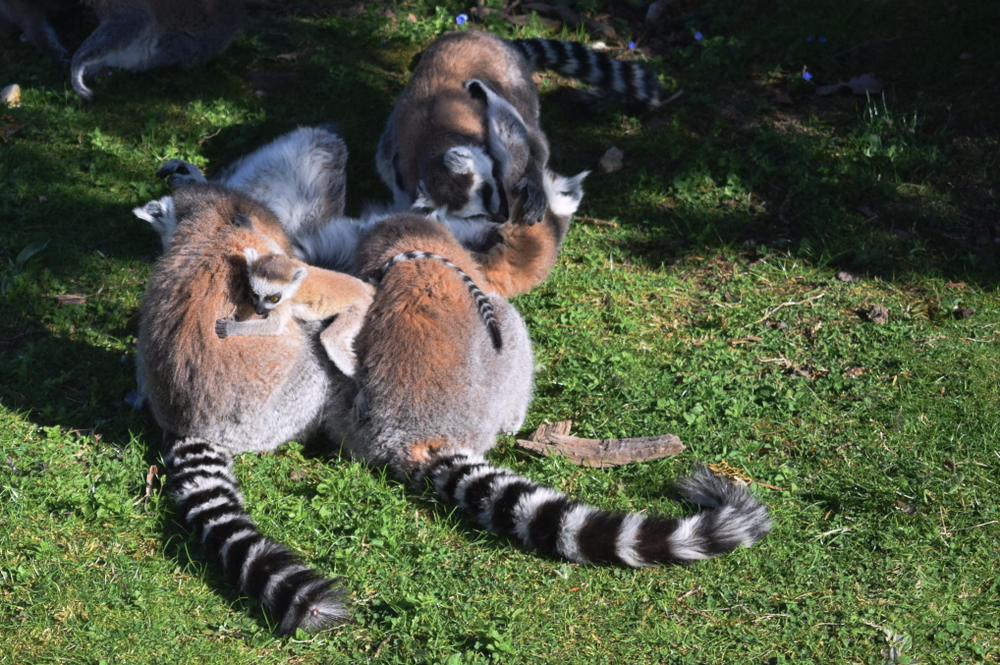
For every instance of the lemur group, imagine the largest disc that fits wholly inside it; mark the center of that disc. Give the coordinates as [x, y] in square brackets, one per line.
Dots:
[391, 334]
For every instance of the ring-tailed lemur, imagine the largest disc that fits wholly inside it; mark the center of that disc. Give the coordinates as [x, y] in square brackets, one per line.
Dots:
[436, 150]
[136, 35]
[301, 176]
[283, 288]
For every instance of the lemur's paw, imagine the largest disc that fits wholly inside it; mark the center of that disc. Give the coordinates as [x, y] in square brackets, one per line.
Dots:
[534, 203]
[180, 173]
[222, 328]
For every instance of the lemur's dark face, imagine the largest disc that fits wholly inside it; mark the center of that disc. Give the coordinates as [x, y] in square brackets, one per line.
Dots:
[464, 181]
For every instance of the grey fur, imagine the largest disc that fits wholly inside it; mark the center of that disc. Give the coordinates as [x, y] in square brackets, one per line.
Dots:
[301, 176]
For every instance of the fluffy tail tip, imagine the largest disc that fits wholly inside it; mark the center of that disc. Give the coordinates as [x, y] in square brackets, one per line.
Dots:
[318, 606]
[745, 519]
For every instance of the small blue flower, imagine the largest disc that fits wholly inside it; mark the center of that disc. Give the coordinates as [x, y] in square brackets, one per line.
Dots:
[810, 38]
[698, 36]
[631, 45]
[807, 76]
[822, 40]
[461, 19]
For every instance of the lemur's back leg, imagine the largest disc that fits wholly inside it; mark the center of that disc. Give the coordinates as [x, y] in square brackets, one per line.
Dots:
[110, 44]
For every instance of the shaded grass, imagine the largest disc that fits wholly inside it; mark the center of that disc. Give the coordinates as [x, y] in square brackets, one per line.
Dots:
[712, 310]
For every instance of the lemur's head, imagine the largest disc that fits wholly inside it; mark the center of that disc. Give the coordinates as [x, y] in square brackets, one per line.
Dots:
[274, 278]
[463, 181]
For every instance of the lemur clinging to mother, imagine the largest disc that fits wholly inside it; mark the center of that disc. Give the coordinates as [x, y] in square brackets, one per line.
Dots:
[136, 35]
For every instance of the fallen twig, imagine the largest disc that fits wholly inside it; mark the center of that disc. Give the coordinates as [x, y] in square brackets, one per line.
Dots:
[596, 222]
[554, 438]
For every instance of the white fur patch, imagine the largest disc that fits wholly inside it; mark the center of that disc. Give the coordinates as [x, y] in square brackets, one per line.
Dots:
[568, 544]
[684, 544]
[564, 194]
[199, 484]
[223, 500]
[161, 216]
[526, 508]
[275, 580]
[628, 538]
[259, 548]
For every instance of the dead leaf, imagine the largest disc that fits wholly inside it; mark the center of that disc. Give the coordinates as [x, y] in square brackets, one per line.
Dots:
[612, 160]
[859, 85]
[853, 373]
[878, 315]
[71, 299]
[554, 438]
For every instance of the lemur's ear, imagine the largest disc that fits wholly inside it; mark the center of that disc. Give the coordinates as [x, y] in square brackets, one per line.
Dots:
[251, 255]
[564, 193]
[299, 274]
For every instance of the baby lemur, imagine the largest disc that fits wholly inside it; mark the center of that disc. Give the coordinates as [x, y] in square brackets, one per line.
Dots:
[435, 151]
[429, 395]
[283, 288]
[132, 34]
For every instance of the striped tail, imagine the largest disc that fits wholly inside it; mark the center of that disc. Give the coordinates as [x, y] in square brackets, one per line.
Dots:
[557, 526]
[209, 501]
[625, 79]
[483, 305]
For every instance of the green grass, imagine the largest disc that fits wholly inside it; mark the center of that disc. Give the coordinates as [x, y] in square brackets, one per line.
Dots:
[712, 311]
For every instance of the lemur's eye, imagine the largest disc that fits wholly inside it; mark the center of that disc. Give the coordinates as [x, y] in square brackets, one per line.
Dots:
[273, 298]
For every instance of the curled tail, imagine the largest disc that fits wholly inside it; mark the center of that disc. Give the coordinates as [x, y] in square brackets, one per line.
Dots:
[209, 500]
[483, 305]
[626, 79]
[542, 518]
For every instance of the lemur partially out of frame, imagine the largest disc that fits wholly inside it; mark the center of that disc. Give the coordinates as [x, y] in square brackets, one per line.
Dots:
[136, 35]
